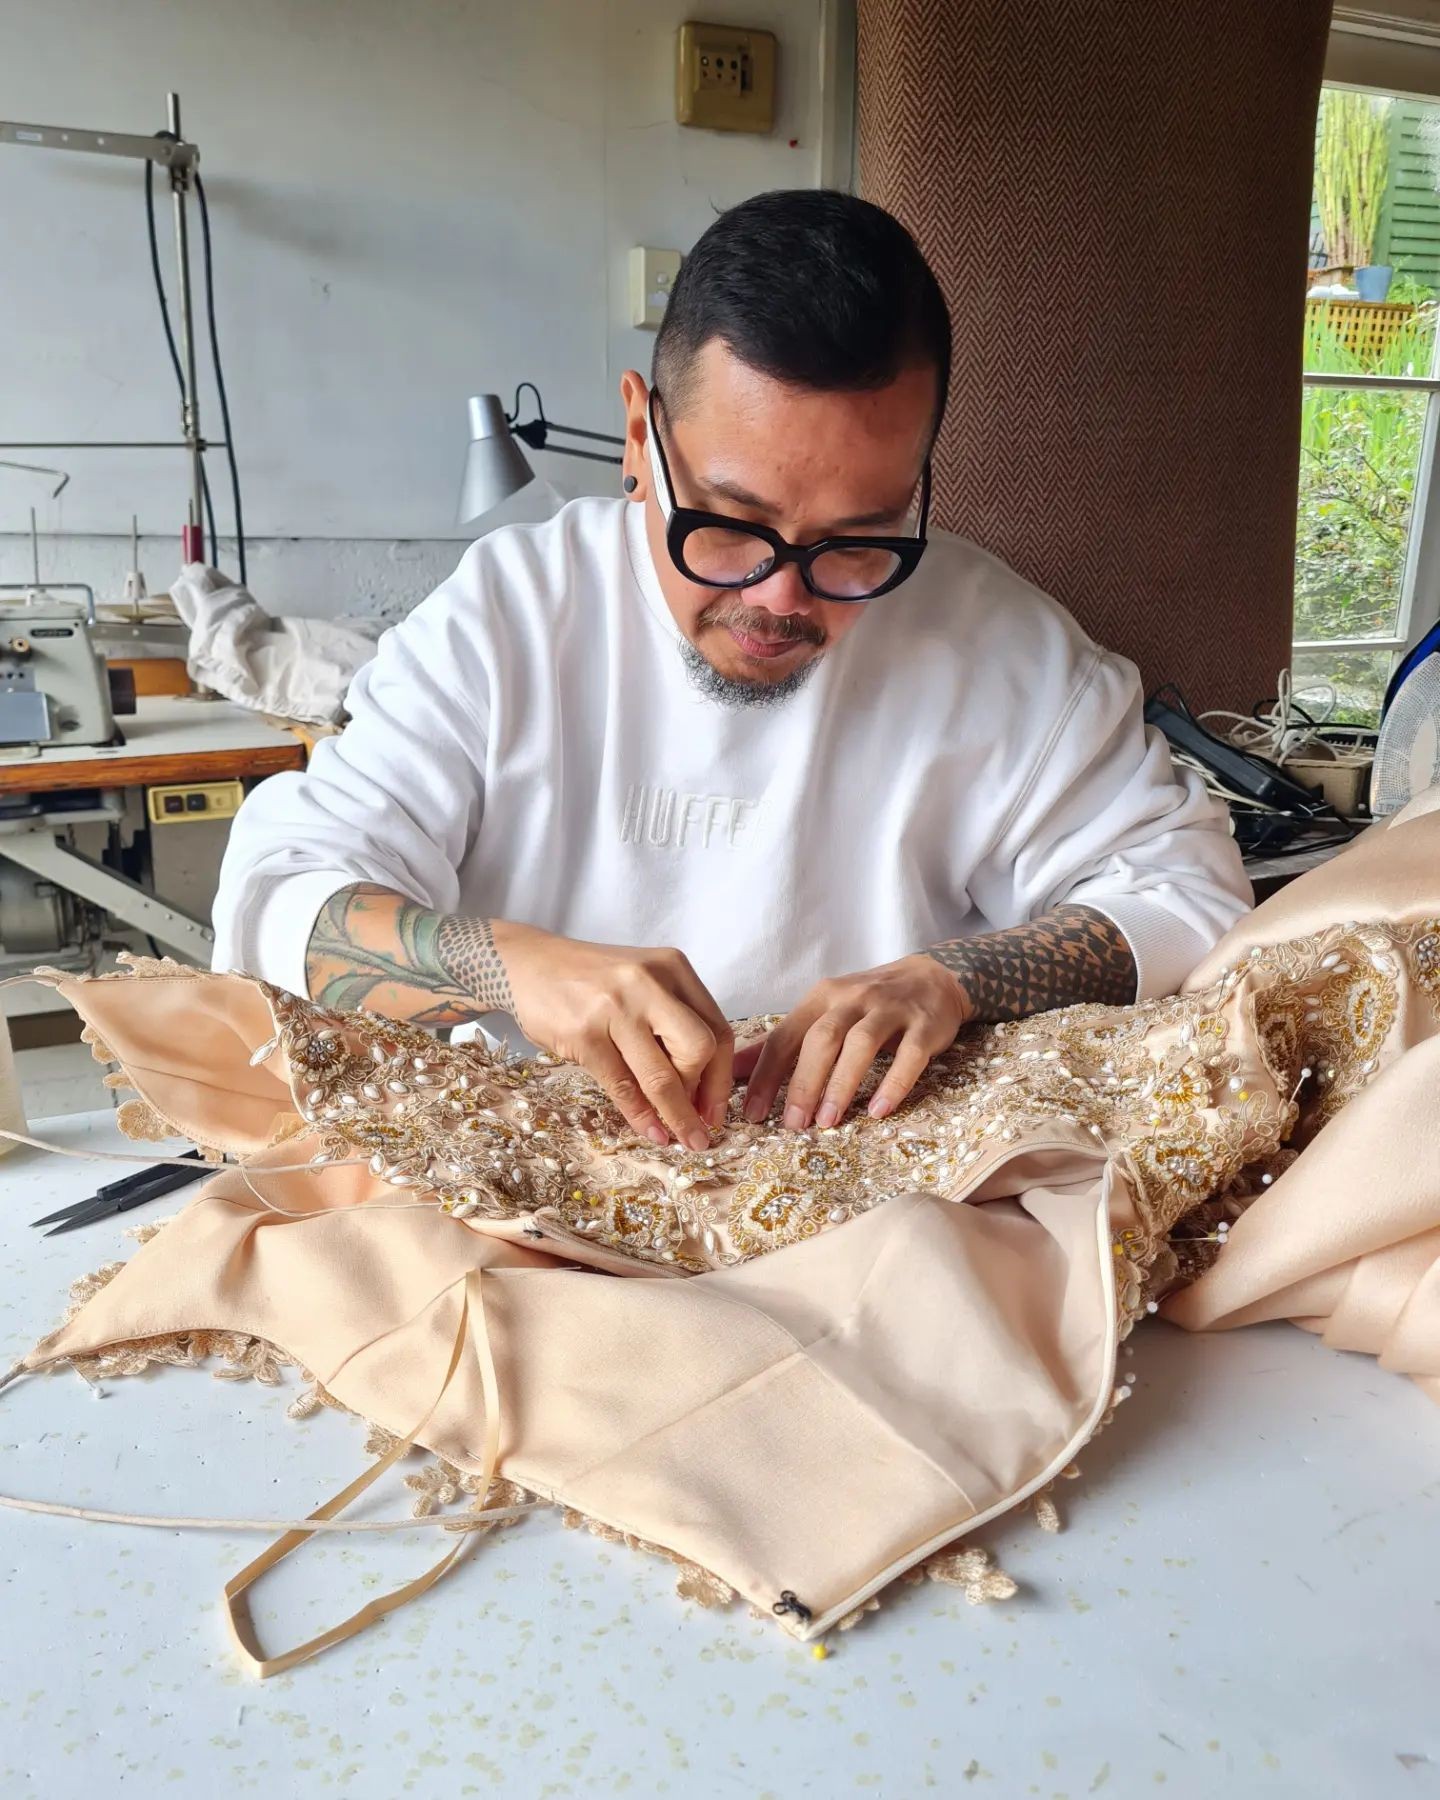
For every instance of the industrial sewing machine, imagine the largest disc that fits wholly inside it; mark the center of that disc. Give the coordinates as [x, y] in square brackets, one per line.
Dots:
[54, 686]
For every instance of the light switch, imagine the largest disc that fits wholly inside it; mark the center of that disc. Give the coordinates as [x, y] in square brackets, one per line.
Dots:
[652, 275]
[725, 77]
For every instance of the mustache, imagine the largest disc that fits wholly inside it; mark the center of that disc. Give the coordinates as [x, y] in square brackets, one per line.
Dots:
[755, 621]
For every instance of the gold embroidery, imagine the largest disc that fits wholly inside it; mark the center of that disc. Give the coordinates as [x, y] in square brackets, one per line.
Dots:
[1425, 958]
[1157, 1087]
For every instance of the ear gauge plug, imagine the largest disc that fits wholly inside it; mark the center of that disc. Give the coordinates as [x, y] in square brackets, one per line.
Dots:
[630, 484]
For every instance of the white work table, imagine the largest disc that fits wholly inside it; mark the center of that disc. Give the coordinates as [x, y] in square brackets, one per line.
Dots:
[1246, 1600]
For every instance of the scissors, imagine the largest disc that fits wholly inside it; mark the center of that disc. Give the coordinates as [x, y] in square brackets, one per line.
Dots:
[131, 1190]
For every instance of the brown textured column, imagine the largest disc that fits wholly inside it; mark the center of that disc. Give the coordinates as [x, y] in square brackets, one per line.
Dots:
[1116, 200]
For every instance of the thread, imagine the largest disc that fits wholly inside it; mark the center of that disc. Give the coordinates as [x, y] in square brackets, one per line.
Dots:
[12, 1107]
[91, 1515]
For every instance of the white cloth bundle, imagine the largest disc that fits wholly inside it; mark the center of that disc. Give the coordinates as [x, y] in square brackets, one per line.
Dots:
[294, 668]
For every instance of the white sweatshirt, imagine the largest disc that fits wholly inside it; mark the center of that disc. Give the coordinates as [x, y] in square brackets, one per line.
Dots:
[527, 745]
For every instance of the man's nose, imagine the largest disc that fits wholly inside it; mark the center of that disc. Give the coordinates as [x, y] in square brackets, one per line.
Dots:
[782, 593]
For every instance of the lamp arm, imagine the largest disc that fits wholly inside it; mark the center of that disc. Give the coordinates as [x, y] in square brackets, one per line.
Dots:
[537, 432]
[170, 153]
[589, 455]
[599, 437]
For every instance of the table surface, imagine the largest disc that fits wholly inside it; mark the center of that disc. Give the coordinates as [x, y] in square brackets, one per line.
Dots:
[1246, 1600]
[167, 738]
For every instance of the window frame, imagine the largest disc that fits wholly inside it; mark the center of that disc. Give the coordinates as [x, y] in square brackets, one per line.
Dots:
[1412, 47]
[1420, 585]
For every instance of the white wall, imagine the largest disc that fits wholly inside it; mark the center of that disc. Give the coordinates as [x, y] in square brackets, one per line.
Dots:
[411, 202]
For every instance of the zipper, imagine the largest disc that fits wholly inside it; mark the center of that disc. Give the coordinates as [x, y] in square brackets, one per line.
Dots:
[817, 1627]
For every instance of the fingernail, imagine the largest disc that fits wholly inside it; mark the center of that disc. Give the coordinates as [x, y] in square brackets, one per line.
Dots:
[880, 1107]
[827, 1115]
[755, 1109]
[794, 1118]
[657, 1134]
[698, 1139]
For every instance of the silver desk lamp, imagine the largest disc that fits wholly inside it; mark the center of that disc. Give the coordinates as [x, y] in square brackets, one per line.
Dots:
[495, 465]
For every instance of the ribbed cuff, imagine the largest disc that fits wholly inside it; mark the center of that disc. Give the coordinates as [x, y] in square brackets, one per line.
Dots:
[274, 934]
[1164, 948]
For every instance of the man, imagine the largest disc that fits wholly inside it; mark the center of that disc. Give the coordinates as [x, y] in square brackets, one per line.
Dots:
[742, 741]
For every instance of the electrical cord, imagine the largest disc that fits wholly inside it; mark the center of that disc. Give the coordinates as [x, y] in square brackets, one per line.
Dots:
[1283, 728]
[1272, 820]
[220, 376]
[169, 329]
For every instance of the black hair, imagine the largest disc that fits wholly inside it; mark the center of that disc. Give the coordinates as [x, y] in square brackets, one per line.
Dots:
[813, 288]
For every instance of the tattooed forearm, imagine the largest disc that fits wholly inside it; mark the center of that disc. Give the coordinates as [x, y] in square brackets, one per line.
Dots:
[467, 953]
[1069, 955]
[374, 948]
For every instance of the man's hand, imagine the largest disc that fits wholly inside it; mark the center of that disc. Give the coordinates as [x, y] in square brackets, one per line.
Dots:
[640, 1021]
[913, 1006]
[917, 1007]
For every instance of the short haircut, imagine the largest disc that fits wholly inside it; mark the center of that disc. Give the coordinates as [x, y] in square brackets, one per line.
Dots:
[813, 288]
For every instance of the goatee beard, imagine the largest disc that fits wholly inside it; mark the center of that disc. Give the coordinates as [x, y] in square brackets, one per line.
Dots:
[735, 690]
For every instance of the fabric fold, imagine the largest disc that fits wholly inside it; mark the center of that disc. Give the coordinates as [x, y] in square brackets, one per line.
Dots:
[855, 1346]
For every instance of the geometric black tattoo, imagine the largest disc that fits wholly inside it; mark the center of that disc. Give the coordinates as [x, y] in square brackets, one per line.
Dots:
[466, 951]
[370, 947]
[1071, 955]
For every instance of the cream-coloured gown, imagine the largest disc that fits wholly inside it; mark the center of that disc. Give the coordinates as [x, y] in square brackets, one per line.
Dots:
[836, 1354]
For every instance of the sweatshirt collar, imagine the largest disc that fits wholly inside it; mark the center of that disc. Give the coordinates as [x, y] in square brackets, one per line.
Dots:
[642, 567]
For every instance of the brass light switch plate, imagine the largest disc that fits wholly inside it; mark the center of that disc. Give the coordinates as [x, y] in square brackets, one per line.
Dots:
[725, 78]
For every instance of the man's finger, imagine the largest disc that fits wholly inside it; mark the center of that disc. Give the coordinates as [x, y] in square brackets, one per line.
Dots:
[602, 1060]
[663, 1086]
[912, 1058]
[747, 1056]
[864, 1043]
[814, 1066]
[688, 1040]
[777, 1059]
[712, 1098]
[711, 1093]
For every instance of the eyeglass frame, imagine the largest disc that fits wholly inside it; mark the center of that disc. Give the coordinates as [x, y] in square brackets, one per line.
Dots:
[681, 521]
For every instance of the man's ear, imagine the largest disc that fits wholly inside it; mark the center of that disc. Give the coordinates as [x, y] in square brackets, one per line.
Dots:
[635, 395]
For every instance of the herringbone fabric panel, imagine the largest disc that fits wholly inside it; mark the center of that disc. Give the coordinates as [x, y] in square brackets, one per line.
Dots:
[1116, 200]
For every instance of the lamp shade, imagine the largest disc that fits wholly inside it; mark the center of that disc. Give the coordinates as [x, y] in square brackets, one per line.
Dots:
[495, 465]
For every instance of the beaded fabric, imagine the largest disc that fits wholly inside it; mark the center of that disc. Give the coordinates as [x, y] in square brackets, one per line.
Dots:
[1197, 1126]
[1268, 1096]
